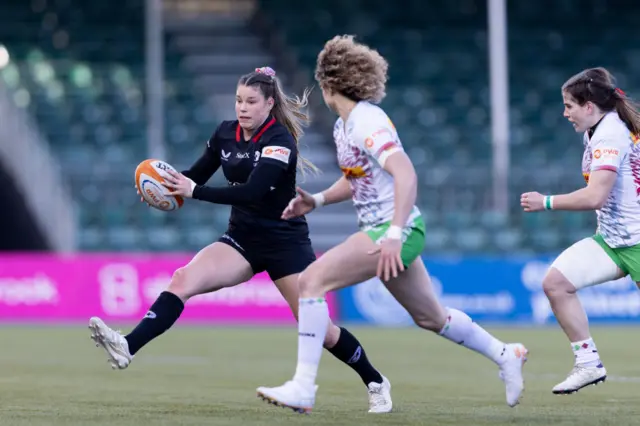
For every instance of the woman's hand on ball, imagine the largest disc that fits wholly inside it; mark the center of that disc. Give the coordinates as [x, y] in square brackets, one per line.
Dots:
[179, 184]
[141, 199]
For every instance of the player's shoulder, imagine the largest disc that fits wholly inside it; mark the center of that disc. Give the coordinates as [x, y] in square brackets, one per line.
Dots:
[224, 132]
[369, 121]
[276, 133]
[367, 110]
[227, 129]
[612, 131]
[367, 116]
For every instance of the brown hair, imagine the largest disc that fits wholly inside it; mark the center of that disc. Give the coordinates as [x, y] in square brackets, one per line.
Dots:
[288, 110]
[352, 69]
[597, 85]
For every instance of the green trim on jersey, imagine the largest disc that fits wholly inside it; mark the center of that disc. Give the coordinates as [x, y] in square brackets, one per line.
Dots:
[627, 258]
[412, 238]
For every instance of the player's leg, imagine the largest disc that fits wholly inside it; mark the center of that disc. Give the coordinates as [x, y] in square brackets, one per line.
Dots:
[414, 291]
[345, 347]
[586, 263]
[217, 266]
[344, 265]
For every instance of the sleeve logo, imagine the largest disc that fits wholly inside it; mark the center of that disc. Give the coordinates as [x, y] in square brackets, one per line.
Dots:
[606, 152]
[278, 153]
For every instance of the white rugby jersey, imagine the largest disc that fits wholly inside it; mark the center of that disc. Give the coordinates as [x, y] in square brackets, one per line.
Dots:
[613, 147]
[363, 146]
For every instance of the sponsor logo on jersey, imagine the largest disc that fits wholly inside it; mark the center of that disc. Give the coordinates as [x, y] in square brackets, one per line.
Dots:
[381, 131]
[225, 155]
[242, 155]
[278, 153]
[353, 172]
[606, 152]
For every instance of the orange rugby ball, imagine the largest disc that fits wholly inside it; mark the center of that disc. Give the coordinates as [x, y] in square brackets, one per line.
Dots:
[149, 180]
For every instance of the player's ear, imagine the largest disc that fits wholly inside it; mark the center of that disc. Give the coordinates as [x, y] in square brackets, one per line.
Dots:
[270, 103]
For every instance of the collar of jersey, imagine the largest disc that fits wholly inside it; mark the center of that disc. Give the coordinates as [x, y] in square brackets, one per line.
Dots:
[593, 128]
[270, 121]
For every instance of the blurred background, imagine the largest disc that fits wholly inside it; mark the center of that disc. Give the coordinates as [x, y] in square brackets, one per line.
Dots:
[90, 89]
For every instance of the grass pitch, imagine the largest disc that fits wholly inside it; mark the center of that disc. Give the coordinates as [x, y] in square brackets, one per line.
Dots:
[207, 376]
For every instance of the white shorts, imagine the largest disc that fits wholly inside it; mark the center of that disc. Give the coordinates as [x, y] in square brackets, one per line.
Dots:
[586, 264]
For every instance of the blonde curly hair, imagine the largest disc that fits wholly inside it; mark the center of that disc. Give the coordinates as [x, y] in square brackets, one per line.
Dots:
[352, 69]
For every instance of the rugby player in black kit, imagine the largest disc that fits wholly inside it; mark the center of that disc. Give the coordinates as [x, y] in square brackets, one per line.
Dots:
[259, 157]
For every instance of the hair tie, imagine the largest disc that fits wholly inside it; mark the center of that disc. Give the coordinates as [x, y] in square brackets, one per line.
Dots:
[266, 71]
[619, 91]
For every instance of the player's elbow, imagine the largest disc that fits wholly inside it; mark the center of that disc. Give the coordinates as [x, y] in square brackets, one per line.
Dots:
[598, 203]
[597, 199]
[400, 167]
[256, 192]
[412, 181]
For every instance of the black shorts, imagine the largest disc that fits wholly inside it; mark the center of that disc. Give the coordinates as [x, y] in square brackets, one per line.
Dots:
[279, 254]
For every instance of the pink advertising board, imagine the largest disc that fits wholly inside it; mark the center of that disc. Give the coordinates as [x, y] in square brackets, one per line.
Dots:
[121, 287]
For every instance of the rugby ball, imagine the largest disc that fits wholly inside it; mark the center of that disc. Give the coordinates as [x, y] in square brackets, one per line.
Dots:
[149, 180]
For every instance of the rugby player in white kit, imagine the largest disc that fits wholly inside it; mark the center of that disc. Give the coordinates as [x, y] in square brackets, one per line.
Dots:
[611, 167]
[380, 179]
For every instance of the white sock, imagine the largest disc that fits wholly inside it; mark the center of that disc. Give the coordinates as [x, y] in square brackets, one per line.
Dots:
[313, 320]
[459, 328]
[586, 353]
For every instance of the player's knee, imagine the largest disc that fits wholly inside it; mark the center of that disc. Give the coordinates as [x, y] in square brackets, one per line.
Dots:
[430, 322]
[310, 285]
[180, 285]
[555, 284]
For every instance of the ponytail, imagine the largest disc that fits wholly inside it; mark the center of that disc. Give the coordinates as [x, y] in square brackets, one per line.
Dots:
[628, 111]
[288, 110]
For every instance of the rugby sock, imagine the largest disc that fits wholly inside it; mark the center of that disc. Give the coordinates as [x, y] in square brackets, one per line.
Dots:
[160, 317]
[351, 352]
[459, 328]
[313, 320]
[586, 353]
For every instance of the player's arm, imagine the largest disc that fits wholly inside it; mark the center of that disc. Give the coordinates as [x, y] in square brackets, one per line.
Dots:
[338, 192]
[405, 186]
[607, 157]
[592, 197]
[272, 166]
[205, 166]
[382, 145]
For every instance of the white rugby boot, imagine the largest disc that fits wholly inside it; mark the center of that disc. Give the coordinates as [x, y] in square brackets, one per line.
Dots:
[380, 396]
[579, 377]
[511, 372]
[113, 343]
[300, 398]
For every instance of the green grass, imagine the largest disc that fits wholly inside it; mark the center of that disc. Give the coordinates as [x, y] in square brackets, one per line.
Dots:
[208, 376]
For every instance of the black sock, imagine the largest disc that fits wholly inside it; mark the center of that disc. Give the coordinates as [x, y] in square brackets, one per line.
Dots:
[349, 351]
[161, 316]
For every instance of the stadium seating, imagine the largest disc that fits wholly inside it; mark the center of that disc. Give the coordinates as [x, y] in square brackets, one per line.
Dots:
[78, 67]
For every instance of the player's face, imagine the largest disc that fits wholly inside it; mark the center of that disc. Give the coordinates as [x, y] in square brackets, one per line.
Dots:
[328, 98]
[581, 117]
[252, 108]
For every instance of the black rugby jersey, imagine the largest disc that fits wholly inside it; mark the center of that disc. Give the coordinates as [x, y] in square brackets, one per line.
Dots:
[261, 172]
